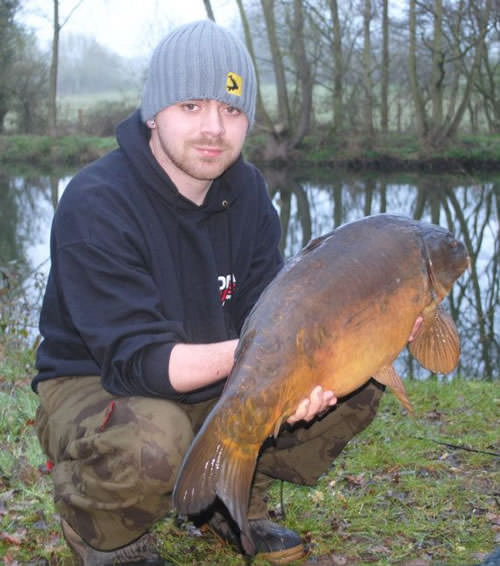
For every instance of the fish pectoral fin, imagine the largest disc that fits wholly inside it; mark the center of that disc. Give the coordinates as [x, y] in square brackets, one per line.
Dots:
[277, 426]
[437, 345]
[388, 376]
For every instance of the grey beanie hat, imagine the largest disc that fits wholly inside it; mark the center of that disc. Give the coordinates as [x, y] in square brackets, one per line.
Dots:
[200, 60]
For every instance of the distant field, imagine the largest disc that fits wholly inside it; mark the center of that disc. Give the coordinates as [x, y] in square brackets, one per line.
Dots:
[89, 99]
[70, 105]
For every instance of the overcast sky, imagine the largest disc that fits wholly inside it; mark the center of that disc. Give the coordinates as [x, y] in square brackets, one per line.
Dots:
[129, 27]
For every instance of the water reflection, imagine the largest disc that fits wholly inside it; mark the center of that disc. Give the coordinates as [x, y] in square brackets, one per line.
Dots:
[310, 204]
[468, 207]
[27, 204]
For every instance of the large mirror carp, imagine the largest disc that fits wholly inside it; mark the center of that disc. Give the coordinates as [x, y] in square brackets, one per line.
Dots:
[336, 315]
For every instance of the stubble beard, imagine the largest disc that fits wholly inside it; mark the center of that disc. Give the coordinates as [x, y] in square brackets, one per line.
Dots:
[197, 166]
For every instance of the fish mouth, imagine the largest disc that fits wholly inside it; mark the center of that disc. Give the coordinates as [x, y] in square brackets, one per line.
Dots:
[451, 261]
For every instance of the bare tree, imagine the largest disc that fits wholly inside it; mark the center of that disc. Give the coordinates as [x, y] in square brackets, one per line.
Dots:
[338, 65]
[455, 62]
[438, 71]
[57, 26]
[278, 65]
[384, 87]
[481, 15]
[367, 70]
[260, 110]
[292, 125]
[53, 72]
[412, 72]
[488, 88]
[304, 75]
[208, 8]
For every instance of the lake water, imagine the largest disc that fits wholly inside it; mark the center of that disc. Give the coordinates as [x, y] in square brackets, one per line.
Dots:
[310, 203]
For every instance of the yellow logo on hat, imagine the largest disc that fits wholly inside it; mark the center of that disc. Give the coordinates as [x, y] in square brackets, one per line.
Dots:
[234, 84]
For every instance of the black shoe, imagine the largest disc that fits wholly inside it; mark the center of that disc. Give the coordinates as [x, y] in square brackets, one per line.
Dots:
[138, 553]
[274, 543]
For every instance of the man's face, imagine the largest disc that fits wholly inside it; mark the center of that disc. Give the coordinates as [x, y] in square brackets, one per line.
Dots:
[197, 140]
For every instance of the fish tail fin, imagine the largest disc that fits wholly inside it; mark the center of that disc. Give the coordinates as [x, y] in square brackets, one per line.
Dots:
[437, 345]
[216, 465]
[233, 488]
[195, 487]
[388, 376]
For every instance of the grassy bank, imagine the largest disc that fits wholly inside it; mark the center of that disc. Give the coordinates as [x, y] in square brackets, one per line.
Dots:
[42, 151]
[394, 496]
[396, 151]
[403, 152]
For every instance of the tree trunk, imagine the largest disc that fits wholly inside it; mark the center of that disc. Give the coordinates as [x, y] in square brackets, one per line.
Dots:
[208, 9]
[420, 121]
[304, 75]
[384, 94]
[338, 69]
[367, 71]
[437, 78]
[278, 67]
[53, 73]
[454, 87]
[261, 113]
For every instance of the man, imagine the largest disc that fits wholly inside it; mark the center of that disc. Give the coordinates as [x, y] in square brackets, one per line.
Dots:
[159, 250]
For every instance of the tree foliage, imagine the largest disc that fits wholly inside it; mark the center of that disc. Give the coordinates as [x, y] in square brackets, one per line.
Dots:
[9, 32]
[23, 73]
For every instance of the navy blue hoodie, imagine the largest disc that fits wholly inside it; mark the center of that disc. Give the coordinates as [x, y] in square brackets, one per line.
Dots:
[137, 268]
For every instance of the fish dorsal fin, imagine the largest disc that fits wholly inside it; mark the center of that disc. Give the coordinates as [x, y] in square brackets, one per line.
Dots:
[388, 376]
[313, 244]
[437, 345]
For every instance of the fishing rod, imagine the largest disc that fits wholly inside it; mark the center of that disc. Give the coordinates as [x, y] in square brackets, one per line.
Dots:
[457, 446]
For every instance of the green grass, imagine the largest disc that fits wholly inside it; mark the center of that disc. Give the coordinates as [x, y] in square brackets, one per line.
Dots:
[394, 495]
[45, 152]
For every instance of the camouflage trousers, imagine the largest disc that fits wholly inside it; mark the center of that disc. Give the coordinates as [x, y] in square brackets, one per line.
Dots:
[116, 458]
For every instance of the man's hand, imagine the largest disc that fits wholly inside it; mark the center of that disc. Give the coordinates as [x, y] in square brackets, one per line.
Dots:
[311, 406]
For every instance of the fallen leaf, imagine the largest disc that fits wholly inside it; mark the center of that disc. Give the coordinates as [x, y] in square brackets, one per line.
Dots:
[317, 496]
[493, 518]
[434, 415]
[355, 481]
[380, 549]
[14, 539]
